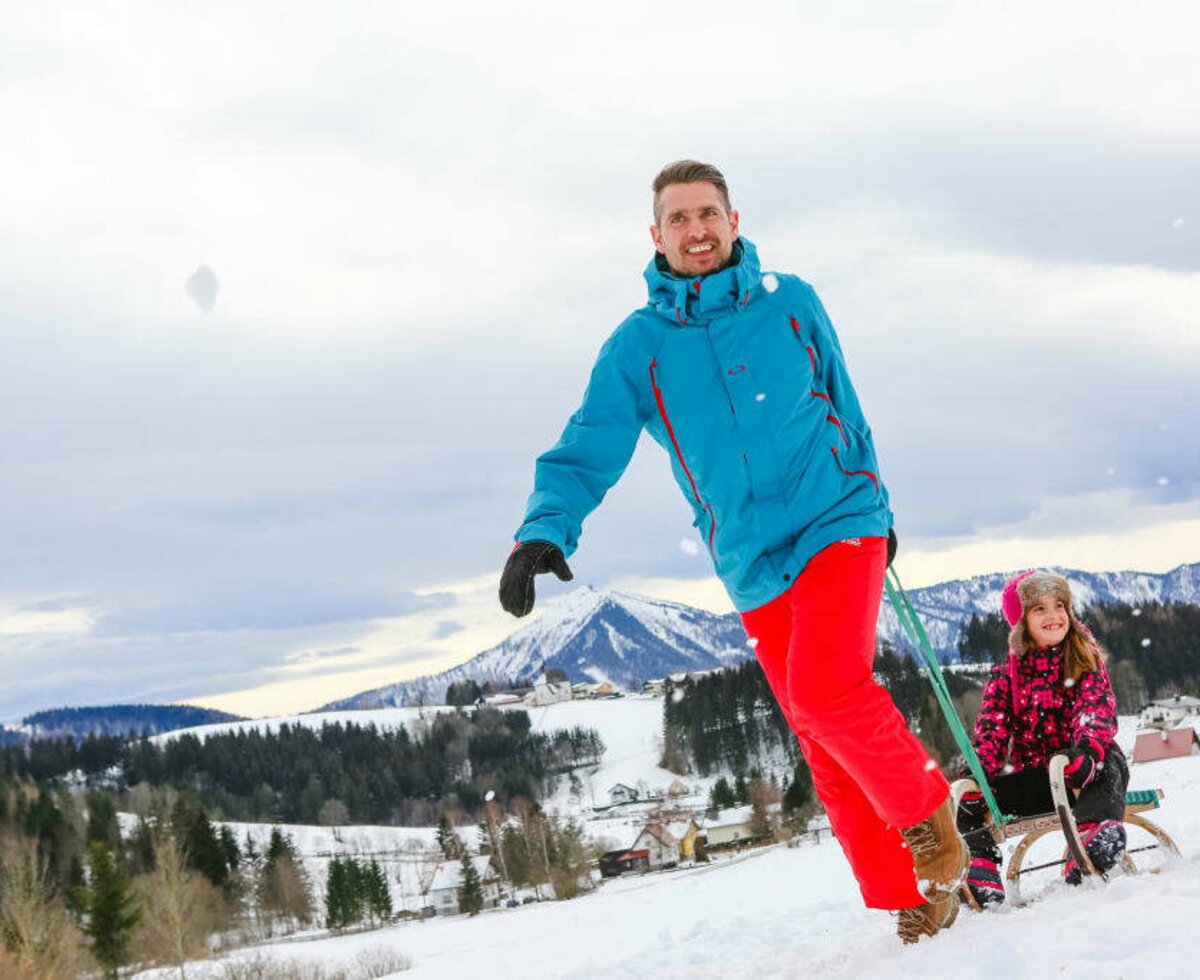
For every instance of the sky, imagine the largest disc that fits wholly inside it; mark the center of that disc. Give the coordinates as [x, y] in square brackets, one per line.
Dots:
[292, 296]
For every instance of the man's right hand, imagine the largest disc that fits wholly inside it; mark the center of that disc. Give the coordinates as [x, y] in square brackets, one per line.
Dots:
[528, 559]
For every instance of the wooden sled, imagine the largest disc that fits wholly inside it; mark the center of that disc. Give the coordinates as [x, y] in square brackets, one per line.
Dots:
[1032, 829]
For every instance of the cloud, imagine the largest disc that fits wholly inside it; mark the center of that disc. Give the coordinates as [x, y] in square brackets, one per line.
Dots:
[994, 205]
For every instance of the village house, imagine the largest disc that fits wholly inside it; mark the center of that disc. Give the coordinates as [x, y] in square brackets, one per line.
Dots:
[1166, 744]
[685, 833]
[548, 692]
[620, 793]
[731, 827]
[661, 846]
[447, 880]
[586, 691]
[654, 686]
[1169, 712]
[616, 863]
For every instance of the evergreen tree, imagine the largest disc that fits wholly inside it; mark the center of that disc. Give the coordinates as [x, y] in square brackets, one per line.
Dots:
[470, 892]
[799, 793]
[111, 909]
[345, 893]
[722, 796]
[102, 820]
[378, 896]
[200, 842]
[449, 842]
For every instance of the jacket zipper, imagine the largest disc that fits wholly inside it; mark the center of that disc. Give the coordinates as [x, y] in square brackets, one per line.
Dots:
[662, 411]
[832, 416]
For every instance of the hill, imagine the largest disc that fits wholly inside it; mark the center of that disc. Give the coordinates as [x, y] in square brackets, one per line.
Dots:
[118, 719]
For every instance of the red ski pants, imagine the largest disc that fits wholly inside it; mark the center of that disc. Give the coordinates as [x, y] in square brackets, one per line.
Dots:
[816, 644]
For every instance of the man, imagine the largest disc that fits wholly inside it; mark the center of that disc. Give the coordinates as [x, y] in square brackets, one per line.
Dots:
[739, 376]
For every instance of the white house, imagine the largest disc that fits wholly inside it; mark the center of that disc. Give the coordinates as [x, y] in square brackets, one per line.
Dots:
[1169, 712]
[660, 844]
[620, 793]
[447, 880]
[730, 826]
[548, 692]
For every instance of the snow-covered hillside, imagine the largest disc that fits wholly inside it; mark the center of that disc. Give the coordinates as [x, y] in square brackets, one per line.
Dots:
[591, 635]
[595, 635]
[792, 912]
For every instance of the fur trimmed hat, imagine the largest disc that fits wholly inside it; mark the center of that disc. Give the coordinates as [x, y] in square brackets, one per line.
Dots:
[1010, 602]
[1025, 589]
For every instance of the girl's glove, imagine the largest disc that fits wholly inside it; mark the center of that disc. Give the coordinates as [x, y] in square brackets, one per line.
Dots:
[1083, 764]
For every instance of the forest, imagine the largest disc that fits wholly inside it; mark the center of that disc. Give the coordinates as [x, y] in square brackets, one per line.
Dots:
[343, 773]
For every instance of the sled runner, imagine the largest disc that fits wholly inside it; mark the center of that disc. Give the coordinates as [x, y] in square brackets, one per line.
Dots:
[1029, 830]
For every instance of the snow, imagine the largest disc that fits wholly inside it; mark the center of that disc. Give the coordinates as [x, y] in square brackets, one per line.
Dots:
[795, 911]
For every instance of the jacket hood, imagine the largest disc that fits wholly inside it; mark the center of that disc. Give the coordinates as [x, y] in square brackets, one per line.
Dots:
[694, 301]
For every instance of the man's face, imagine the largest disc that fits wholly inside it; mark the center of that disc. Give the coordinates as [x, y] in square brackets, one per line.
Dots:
[694, 232]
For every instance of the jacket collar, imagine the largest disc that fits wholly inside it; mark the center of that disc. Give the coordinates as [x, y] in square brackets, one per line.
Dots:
[698, 300]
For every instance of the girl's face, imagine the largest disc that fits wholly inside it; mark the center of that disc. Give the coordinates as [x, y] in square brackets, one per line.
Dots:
[1048, 621]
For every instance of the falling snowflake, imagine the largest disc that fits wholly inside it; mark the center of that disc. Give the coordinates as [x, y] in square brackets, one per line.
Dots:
[1162, 481]
[770, 283]
[752, 642]
[202, 287]
[1111, 471]
[689, 547]
[1146, 642]
[1008, 768]
[1069, 682]
[1178, 223]
[930, 765]
[761, 396]
[1137, 612]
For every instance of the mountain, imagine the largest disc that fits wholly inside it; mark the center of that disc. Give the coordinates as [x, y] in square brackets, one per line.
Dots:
[944, 608]
[595, 635]
[117, 719]
[591, 635]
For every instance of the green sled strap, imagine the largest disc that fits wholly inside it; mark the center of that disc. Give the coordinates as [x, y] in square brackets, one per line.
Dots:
[911, 623]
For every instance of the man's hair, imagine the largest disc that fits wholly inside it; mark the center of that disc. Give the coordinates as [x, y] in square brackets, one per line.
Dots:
[689, 172]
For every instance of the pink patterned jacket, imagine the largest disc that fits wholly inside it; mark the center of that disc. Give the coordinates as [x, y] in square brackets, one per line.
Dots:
[1026, 703]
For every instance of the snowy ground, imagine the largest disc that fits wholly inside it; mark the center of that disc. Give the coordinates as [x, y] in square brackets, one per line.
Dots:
[795, 912]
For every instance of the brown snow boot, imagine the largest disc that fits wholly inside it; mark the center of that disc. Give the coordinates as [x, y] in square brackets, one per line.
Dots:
[927, 919]
[940, 855]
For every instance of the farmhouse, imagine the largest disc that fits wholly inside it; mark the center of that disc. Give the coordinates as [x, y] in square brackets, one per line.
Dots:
[447, 880]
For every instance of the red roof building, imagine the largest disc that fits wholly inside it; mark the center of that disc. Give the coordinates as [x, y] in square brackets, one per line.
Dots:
[1173, 744]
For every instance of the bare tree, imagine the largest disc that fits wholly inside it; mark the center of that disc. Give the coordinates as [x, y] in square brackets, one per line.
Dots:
[181, 908]
[40, 940]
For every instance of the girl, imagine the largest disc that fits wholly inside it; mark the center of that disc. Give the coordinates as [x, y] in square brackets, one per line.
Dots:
[1051, 696]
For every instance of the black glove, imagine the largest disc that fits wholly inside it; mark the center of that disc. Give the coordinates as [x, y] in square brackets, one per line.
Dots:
[893, 544]
[528, 559]
[1083, 764]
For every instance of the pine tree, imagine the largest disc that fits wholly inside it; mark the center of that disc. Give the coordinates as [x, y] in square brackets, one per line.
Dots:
[470, 893]
[448, 840]
[378, 896]
[111, 909]
[722, 796]
[799, 793]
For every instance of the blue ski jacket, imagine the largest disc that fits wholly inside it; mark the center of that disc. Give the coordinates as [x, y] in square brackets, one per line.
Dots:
[739, 376]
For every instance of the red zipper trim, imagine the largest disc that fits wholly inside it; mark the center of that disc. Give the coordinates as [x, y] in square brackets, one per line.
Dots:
[812, 360]
[845, 472]
[662, 410]
[838, 422]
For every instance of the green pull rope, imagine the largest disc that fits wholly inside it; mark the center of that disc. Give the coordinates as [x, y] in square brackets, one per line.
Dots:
[916, 634]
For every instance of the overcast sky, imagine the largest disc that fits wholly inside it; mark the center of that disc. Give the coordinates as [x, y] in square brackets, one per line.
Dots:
[296, 475]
